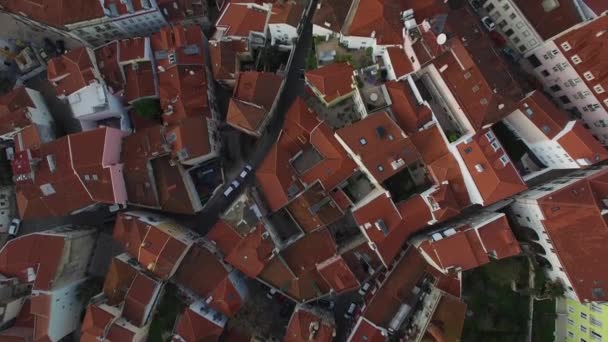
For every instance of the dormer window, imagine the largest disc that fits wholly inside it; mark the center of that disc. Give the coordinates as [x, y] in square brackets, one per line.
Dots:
[588, 75]
[566, 46]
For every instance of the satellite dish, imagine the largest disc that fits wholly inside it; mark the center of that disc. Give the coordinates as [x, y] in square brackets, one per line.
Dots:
[442, 38]
[373, 97]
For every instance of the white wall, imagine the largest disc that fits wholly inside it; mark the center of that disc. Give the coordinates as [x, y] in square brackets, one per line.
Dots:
[320, 31]
[354, 42]
[282, 34]
[524, 37]
[6, 207]
[572, 85]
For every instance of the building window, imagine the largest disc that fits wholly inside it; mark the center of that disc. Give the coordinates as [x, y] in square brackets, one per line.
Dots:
[512, 16]
[570, 334]
[526, 33]
[570, 309]
[546, 129]
[566, 46]
[483, 101]
[588, 75]
[509, 32]
[555, 88]
[596, 322]
[583, 315]
[506, 7]
[596, 308]
[564, 99]
[534, 61]
[502, 24]
[545, 73]
[380, 168]
[490, 8]
[598, 89]
[522, 48]
[595, 336]
[516, 40]
[475, 88]
[468, 150]
[495, 146]
[504, 159]
[570, 321]
[362, 141]
[583, 329]
[576, 59]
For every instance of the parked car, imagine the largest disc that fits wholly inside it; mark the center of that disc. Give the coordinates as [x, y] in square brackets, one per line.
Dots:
[13, 229]
[488, 23]
[364, 288]
[245, 171]
[235, 184]
[351, 310]
[228, 191]
[329, 304]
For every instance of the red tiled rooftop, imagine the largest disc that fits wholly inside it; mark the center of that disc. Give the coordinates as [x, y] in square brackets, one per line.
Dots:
[462, 250]
[338, 274]
[183, 92]
[224, 237]
[118, 281]
[545, 115]
[314, 209]
[119, 333]
[140, 81]
[226, 298]
[224, 55]
[597, 6]
[378, 18]
[252, 253]
[239, 20]
[410, 115]
[380, 144]
[580, 144]
[332, 12]
[106, 57]
[286, 13]
[56, 12]
[401, 63]
[43, 253]
[494, 179]
[184, 43]
[193, 327]
[366, 331]
[13, 110]
[306, 286]
[497, 238]
[198, 258]
[332, 81]
[304, 254]
[192, 138]
[300, 327]
[549, 23]
[156, 250]
[95, 322]
[141, 295]
[71, 71]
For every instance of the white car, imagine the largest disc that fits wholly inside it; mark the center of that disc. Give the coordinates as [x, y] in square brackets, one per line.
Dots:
[364, 288]
[235, 184]
[13, 229]
[351, 310]
[245, 171]
[228, 191]
[488, 23]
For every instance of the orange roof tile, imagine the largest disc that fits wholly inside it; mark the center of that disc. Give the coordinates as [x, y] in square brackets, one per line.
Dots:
[56, 13]
[118, 280]
[380, 144]
[379, 19]
[580, 144]
[140, 298]
[409, 114]
[239, 20]
[226, 298]
[71, 71]
[183, 43]
[304, 254]
[14, 114]
[95, 322]
[106, 57]
[543, 114]
[140, 81]
[338, 274]
[286, 13]
[224, 55]
[462, 251]
[549, 23]
[331, 14]
[497, 238]
[183, 93]
[194, 327]
[401, 63]
[224, 237]
[494, 179]
[314, 209]
[366, 331]
[300, 327]
[198, 258]
[252, 253]
[332, 81]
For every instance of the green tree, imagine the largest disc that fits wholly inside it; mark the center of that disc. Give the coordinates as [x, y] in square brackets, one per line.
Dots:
[148, 108]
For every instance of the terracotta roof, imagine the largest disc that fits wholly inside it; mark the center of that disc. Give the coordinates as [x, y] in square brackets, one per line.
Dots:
[441, 163]
[194, 327]
[306, 325]
[580, 144]
[140, 81]
[307, 286]
[462, 251]
[589, 43]
[106, 57]
[224, 55]
[118, 280]
[252, 253]
[314, 209]
[140, 298]
[192, 139]
[198, 258]
[184, 44]
[409, 114]
[95, 323]
[43, 253]
[338, 274]
[402, 65]
[447, 321]
[83, 170]
[156, 248]
[331, 14]
[286, 13]
[380, 145]
[497, 238]
[304, 254]
[332, 81]
[495, 179]
[119, 333]
[366, 331]
[165, 188]
[579, 233]
[543, 114]
[239, 20]
[56, 13]
[396, 289]
[71, 71]
[379, 19]
[28, 138]
[183, 93]
[226, 297]
[549, 22]
[225, 237]
[14, 110]
[597, 6]
[380, 213]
